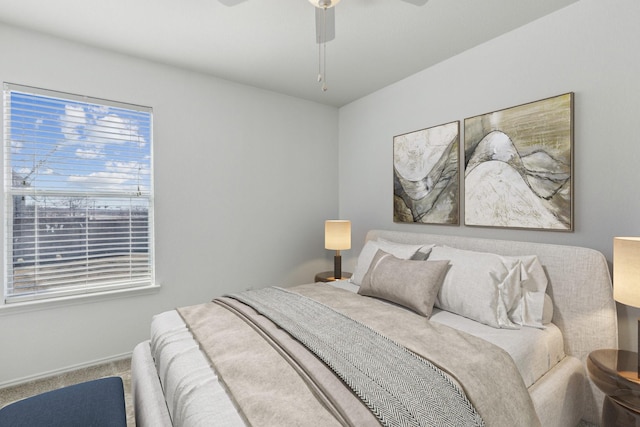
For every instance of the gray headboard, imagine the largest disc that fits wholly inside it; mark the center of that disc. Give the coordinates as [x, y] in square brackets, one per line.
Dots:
[579, 285]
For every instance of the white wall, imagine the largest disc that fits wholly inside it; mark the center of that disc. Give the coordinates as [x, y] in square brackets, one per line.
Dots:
[244, 180]
[589, 48]
[263, 179]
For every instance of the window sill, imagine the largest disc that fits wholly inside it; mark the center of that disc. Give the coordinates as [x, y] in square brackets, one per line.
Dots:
[45, 304]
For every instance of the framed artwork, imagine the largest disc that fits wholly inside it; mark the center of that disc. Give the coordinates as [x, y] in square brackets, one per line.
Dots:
[426, 174]
[518, 166]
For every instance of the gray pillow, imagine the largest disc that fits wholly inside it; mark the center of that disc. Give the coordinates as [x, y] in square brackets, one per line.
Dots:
[409, 283]
[400, 250]
[547, 310]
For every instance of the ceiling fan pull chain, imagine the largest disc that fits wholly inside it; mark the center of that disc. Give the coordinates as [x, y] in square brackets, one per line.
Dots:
[320, 43]
[324, 67]
[324, 49]
[319, 62]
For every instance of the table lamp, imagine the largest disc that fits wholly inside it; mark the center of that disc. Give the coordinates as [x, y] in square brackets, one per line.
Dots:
[337, 237]
[626, 273]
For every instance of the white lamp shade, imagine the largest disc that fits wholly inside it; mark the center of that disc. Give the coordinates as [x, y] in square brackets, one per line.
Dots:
[626, 270]
[337, 234]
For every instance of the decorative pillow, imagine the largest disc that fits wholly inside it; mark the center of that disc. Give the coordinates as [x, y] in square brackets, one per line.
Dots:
[479, 285]
[399, 250]
[528, 310]
[420, 255]
[547, 312]
[410, 283]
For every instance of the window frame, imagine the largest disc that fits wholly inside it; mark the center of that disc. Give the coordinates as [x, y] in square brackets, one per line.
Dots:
[93, 288]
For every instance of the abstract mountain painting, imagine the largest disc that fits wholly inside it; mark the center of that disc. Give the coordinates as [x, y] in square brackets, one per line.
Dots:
[426, 175]
[519, 166]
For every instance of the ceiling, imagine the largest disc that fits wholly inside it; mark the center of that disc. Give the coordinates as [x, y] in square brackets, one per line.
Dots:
[270, 44]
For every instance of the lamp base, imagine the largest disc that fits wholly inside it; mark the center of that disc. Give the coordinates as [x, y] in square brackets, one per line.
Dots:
[328, 276]
[337, 266]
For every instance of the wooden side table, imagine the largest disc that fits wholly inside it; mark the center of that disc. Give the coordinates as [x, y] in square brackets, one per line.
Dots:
[327, 276]
[615, 372]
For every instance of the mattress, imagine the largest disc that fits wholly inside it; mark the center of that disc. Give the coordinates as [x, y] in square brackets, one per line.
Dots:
[193, 391]
[533, 350]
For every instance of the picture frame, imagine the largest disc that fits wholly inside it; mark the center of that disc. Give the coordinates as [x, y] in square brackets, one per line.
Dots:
[518, 166]
[426, 175]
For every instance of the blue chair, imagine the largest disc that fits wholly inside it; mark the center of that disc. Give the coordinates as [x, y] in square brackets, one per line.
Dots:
[97, 403]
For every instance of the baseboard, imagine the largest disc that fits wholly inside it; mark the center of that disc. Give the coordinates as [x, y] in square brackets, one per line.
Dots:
[62, 371]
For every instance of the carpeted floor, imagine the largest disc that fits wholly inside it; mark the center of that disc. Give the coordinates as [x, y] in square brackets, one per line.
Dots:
[121, 368]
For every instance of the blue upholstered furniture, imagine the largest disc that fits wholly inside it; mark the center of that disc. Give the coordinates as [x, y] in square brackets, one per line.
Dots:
[98, 403]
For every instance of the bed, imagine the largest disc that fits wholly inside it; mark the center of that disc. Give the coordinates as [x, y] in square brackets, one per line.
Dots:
[491, 357]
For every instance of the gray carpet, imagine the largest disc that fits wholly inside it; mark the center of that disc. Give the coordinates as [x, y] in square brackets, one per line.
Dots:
[121, 368]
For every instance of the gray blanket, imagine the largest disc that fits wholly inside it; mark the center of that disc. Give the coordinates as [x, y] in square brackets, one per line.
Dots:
[400, 388]
[273, 386]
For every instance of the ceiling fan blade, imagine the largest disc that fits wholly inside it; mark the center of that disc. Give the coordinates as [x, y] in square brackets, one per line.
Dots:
[231, 2]
[416, 2]
[326, 28]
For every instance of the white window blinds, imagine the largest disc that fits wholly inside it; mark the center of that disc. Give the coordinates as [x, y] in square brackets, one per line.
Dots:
[78, 194]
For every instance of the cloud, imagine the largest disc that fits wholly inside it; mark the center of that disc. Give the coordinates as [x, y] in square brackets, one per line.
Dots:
[73, 122]
[115, 175]
[16, 146]
[123, 129]
[102, 180]
[96, 128]
[88, 153]
[100, 136]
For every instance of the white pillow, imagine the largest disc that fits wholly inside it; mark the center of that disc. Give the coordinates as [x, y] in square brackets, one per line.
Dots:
[479, 285]
[399, 250]
[529, 309]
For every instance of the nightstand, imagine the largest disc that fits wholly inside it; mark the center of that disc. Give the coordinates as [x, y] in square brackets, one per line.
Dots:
[615, 372]
[327, 276]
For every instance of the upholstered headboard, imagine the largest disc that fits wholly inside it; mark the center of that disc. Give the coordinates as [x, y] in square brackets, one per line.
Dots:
[579, 285]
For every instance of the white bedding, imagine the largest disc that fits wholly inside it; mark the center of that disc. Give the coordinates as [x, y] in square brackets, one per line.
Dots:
[579, 282]
[533, 350]
[193, 392]
[191, 387]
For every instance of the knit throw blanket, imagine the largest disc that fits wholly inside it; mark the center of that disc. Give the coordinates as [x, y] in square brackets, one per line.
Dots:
[400, 388]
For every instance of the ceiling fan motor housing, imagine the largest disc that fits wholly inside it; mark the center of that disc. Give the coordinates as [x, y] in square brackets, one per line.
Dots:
[324, 4]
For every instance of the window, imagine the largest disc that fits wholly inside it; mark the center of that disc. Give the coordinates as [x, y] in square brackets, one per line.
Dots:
[78, 194]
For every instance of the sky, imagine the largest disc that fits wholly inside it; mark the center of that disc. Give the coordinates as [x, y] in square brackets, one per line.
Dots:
[72, 146]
